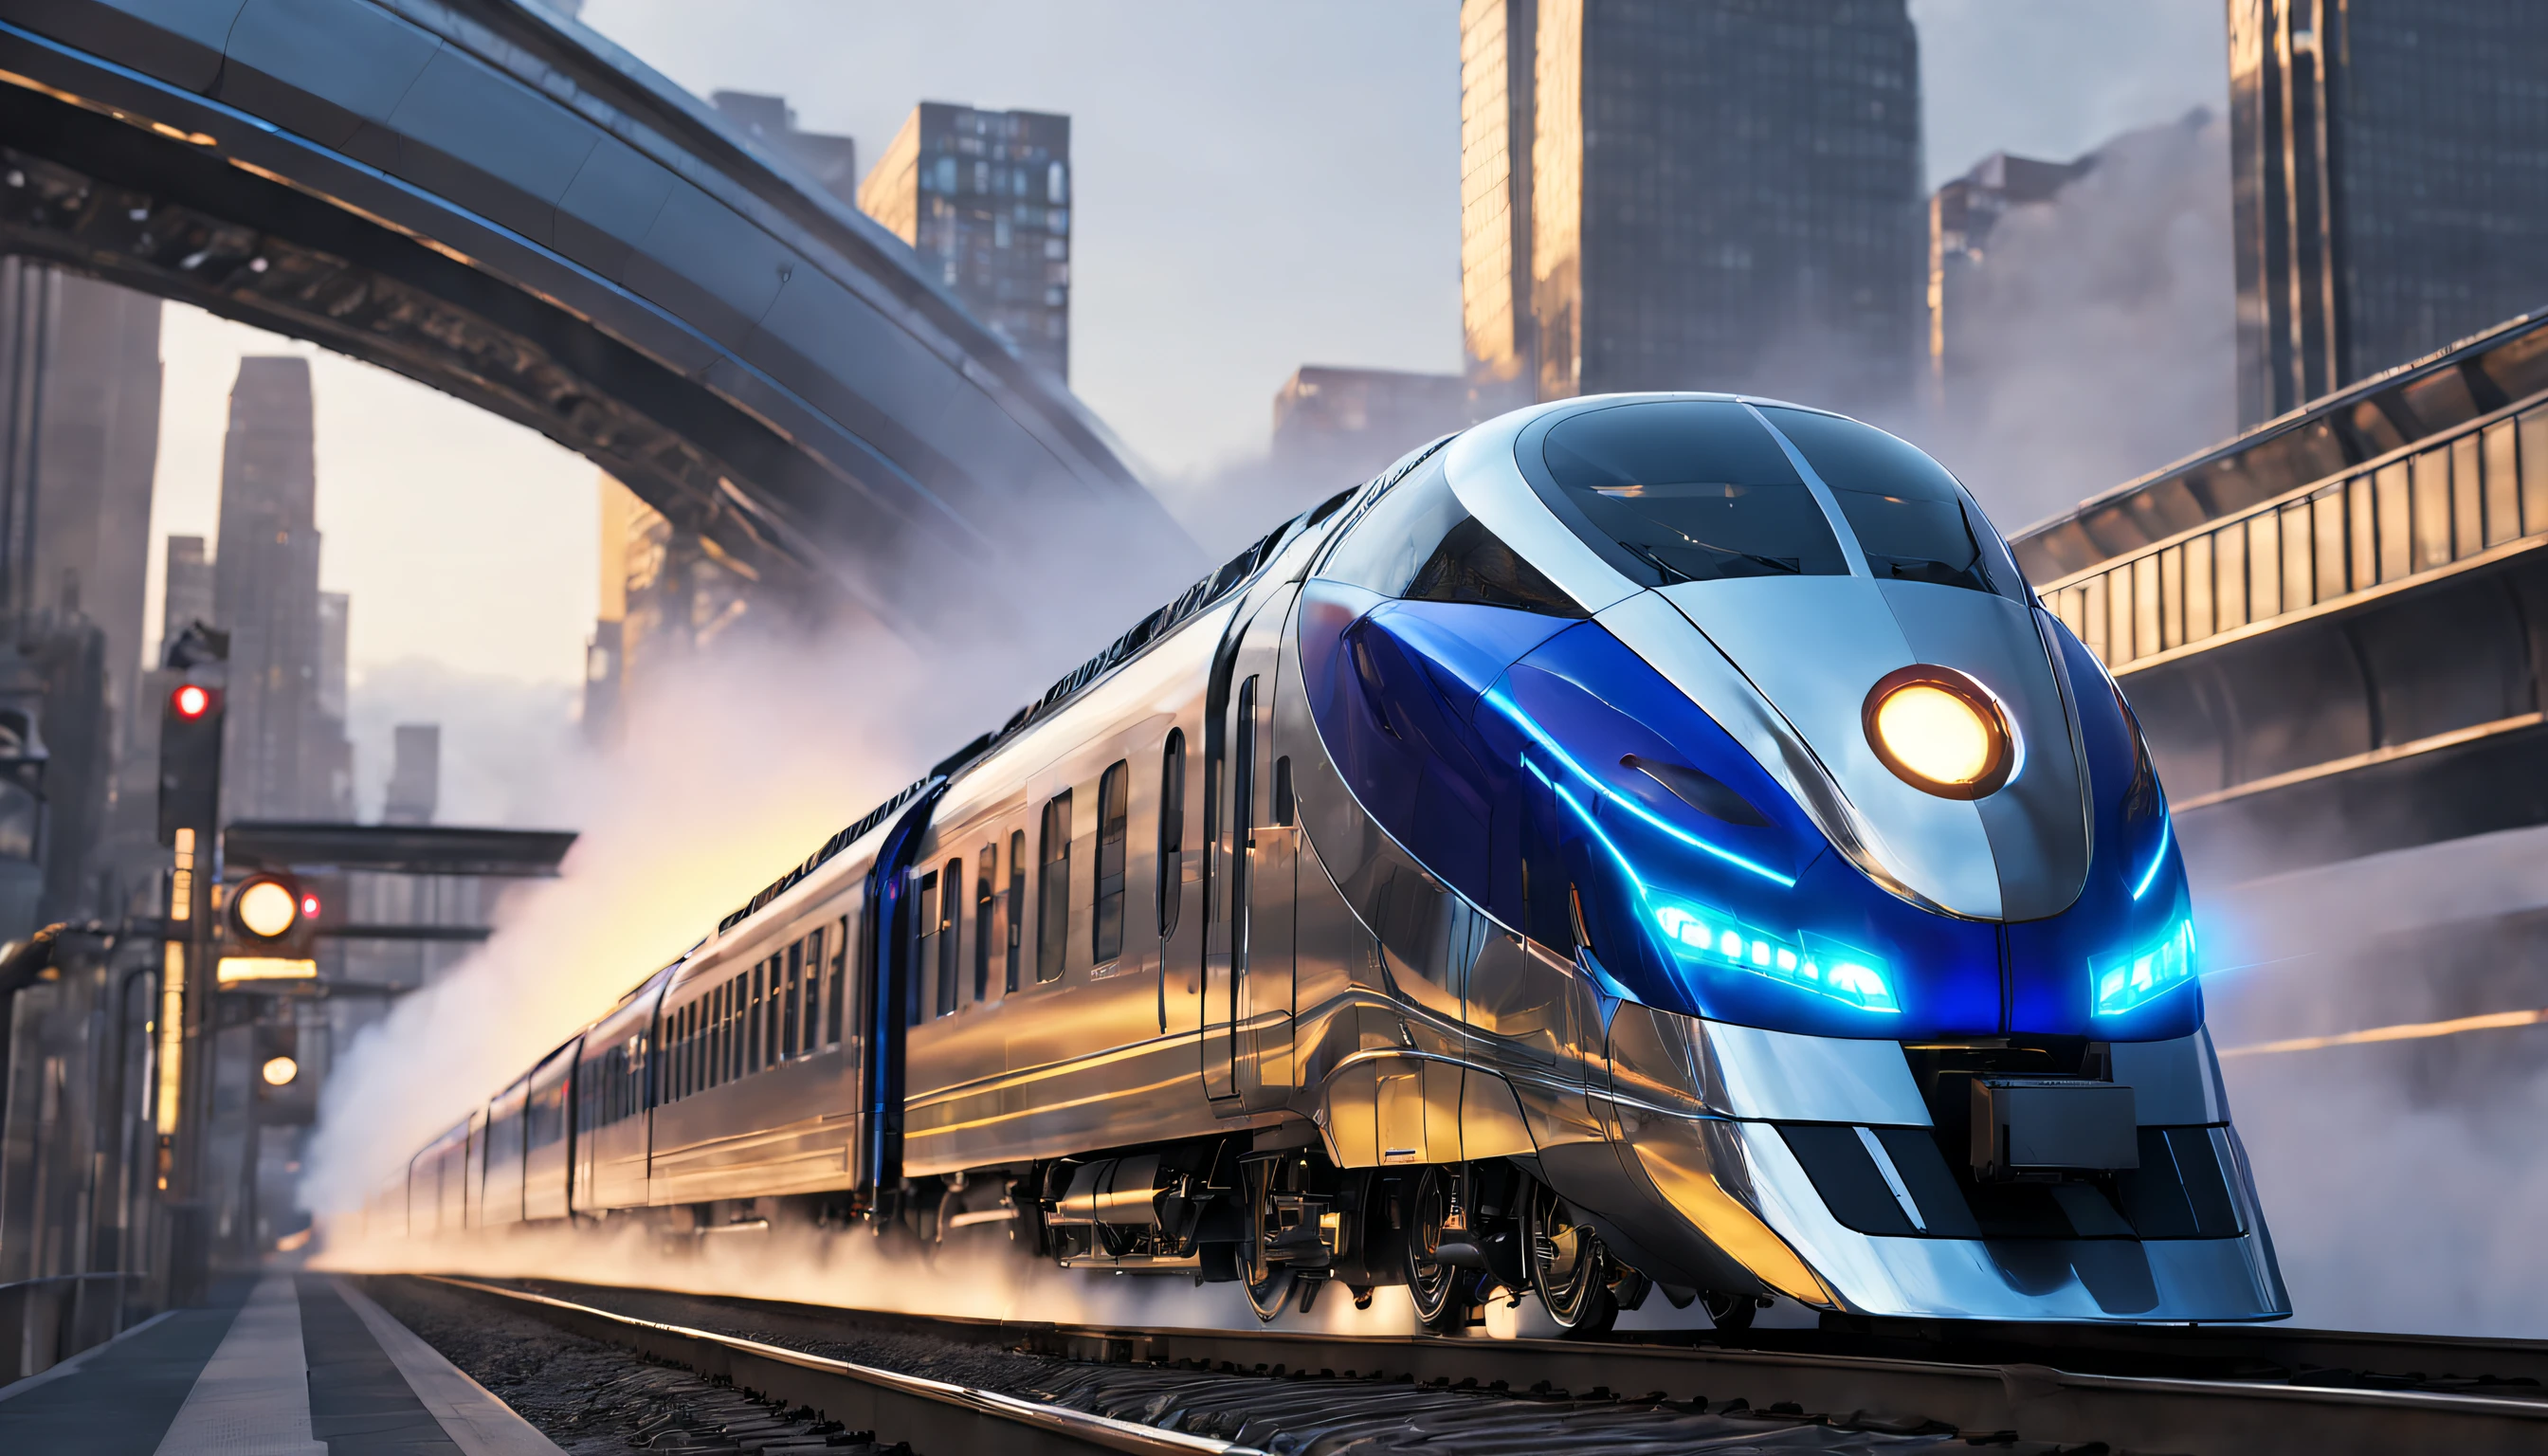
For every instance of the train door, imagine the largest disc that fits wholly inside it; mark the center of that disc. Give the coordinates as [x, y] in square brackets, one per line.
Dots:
[1247, 959]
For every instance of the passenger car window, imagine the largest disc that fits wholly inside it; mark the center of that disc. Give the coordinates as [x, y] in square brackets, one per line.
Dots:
[840, 969]
[1686, 490]
[950, 910]
[985, 901]
[1106, 921]
[925, 945]
[1053, 889]
[1910, 518]
[1172, 830]
[1017, 903]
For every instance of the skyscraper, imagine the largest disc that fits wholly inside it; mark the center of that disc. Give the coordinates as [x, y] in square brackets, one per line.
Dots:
[2389, 180]
[830, 160]
[984, 196]
[281, 757]
[1962, 214]
[79, 432]
[1717, 194]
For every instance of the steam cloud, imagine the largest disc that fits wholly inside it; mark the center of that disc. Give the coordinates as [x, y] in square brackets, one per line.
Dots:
[734, 764]
[2106, 317]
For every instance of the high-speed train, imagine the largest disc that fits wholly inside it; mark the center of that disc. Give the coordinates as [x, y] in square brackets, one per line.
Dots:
[1642, 842]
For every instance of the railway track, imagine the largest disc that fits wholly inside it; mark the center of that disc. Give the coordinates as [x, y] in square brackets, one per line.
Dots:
[1870, 1388]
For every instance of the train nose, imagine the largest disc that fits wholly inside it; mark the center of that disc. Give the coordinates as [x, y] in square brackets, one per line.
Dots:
[1823, 1167]
[1935, 713]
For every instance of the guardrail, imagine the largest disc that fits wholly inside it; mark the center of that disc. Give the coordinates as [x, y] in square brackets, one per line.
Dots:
[2439, 507]
[45, 1322]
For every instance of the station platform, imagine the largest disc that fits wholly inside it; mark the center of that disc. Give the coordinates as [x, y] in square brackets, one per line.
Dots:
[279, 1364]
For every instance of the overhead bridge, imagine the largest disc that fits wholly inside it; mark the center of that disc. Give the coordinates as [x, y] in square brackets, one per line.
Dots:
[2334, 629]
[486, 197]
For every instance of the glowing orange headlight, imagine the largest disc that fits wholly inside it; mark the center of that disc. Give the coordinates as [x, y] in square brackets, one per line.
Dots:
[1940, 732]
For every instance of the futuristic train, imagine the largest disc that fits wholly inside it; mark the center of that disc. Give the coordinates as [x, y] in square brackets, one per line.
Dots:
[1642, 842]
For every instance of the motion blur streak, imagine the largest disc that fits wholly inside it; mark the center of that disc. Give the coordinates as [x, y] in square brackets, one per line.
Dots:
[2409, 1032]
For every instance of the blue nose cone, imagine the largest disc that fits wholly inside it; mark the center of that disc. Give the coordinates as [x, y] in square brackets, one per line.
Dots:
[1553, 778]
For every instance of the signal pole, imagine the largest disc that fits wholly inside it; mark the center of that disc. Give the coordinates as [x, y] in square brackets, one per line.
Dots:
[190, 796]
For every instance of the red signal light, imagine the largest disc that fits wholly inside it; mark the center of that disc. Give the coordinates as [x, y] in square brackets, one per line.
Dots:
[309, 906]
[191, 701]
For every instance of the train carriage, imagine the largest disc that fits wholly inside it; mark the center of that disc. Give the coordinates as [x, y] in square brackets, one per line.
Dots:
[1640, 842]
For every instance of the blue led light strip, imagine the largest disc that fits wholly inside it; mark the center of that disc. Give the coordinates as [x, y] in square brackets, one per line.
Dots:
[2151, 876]
[1540, 736]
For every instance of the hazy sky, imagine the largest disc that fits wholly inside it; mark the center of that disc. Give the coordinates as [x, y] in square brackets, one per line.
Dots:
[1259, 187]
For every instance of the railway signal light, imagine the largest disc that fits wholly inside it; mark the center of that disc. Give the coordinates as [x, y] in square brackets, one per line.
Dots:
[190, 761]
[271, 930]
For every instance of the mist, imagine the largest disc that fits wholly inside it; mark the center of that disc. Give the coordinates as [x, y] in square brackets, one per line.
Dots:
[732, 765]
[2103, 323]
[2398, 1178]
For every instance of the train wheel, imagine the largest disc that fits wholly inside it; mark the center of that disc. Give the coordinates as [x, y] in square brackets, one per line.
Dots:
[1568, 1267]
[1269, 1284]
[1442, 1293]
[1729, 1311]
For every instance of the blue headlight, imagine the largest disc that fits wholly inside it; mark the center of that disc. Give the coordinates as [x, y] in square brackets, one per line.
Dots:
[2138, 976]
[1710, 939]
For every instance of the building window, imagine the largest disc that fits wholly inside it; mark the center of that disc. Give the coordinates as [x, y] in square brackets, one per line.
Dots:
[950, 906]
[1016, 904]
[1057, 184]
[1173, 830]
[1052, 888]
[1106, 923]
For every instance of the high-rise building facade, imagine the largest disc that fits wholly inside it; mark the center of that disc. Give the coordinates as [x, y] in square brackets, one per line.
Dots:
[283, 755]
[1962, 214]
[1719, 194]
[829, 160]
[984, 197]
[1354, 422]
[79, 433]
[2389, 180]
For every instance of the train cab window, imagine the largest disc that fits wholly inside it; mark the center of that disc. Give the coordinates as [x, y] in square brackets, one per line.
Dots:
[1383, 551]
[986, 900]
[1105, 917]
[1017, 906]
[1910, 518]
[925, 949]
[951, 909]
[1283, 791]
[1052, 888]
[1172, 830]
[1686, 491]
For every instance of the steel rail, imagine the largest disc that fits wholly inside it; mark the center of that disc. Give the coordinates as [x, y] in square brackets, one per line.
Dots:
[2195, 1415]
[933, 1415]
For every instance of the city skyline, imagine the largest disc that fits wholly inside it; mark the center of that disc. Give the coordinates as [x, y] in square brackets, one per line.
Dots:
[512, 606]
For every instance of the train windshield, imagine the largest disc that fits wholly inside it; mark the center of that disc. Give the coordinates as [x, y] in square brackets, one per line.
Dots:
[1686, 490]
[1910, 518]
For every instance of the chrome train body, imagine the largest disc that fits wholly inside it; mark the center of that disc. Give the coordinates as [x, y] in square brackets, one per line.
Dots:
[1646, 842]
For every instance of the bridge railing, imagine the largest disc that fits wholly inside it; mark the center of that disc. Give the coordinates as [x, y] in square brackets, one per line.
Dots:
[2442, 506]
